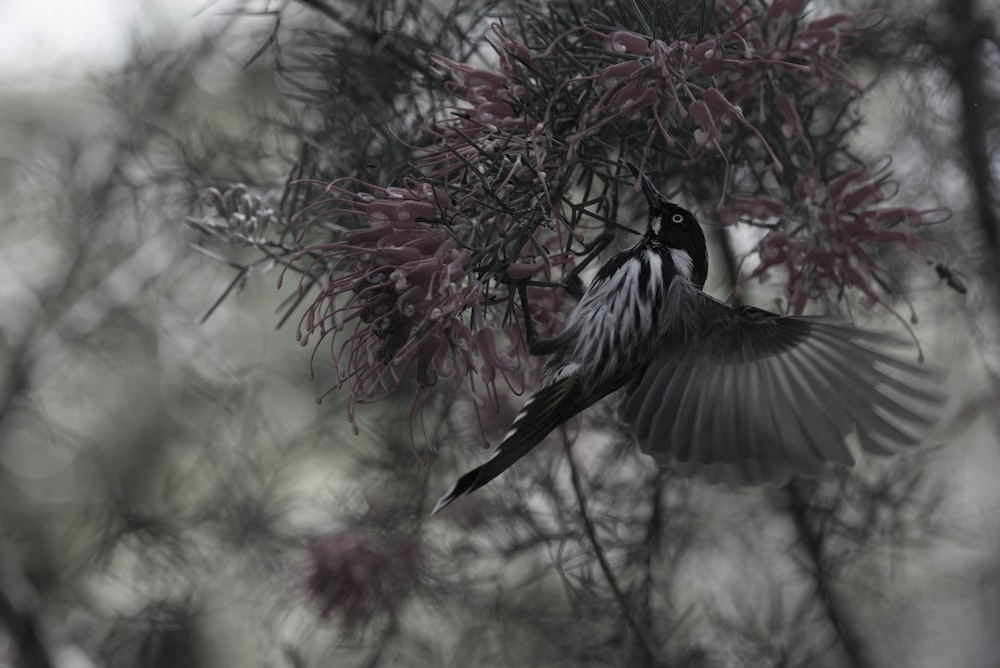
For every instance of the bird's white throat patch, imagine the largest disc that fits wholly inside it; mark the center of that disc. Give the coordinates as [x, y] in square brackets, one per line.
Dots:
[682, 262]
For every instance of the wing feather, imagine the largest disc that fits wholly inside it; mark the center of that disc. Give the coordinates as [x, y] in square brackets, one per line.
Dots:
[749, 396]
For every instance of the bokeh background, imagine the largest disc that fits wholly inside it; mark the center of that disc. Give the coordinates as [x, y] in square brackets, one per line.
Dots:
[172, 493]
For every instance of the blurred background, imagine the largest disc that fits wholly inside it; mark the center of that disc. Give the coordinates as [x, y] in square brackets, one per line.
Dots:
[173, 494]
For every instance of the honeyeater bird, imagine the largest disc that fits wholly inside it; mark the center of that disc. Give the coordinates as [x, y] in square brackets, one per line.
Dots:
[731, 393]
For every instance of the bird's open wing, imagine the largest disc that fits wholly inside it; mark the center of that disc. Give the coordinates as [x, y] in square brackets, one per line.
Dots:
[748, 396]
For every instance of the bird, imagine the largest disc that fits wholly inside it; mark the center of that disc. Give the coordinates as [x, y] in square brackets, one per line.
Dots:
[730, 393]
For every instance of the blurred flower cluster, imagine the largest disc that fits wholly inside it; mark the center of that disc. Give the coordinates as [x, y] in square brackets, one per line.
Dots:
[360, 576]
[240, 217]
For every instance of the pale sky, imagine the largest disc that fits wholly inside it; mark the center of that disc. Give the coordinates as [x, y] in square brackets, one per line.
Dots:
[74, 35]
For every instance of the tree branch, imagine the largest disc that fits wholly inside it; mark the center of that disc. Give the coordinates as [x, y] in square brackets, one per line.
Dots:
[19, 614]
[655, 657]
[963, 51]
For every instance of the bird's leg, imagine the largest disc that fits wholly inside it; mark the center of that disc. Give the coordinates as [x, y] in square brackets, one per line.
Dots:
[591, 250]
[573, 284]
[529, 330]
[536, 345]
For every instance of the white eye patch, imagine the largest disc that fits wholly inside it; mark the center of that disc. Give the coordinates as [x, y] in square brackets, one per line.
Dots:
[677, 219]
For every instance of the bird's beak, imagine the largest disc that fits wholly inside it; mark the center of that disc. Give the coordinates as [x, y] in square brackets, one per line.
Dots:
[652, 194]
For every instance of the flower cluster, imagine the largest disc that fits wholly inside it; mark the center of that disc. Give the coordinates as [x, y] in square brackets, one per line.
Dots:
[360, 576]
[414, 283]
[692, 89]
[842, 223]
[404, 286]
[240, 218]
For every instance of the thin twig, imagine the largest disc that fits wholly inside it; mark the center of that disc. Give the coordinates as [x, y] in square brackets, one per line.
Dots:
[812, 541]
[656, 658]
[965, 52]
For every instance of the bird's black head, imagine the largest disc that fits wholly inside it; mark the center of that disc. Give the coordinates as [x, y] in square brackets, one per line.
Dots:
[677, 229]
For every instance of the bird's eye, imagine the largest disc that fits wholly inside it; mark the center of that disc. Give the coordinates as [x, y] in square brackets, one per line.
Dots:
[677, 219]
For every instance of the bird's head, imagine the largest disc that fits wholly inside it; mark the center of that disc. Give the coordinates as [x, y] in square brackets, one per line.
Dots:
[678, 230]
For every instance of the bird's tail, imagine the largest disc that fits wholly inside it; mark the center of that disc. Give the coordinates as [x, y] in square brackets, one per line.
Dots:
[542, 412]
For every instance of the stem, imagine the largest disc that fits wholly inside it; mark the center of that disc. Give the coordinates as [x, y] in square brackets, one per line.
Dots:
[20, 616]
[964, 51]
[655, 657]
[652, 540]
[811, 541]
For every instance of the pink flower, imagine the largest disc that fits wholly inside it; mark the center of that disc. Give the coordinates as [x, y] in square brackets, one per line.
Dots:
[694, 87]
[844, 222]
[240, 217]
[425, 284]
[401, 288]
[360, 576]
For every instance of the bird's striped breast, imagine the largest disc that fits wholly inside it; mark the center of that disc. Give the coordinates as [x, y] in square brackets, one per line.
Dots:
[613, 325]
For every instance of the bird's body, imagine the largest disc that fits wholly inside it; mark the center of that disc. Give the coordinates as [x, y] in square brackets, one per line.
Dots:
[732, 393]
[621, 317]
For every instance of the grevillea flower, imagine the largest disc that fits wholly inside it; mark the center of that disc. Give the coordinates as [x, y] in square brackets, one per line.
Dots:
[428, 284]
[360, 576]
[694, 89]
[839, 226]
[241, 217]
[402, 287]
